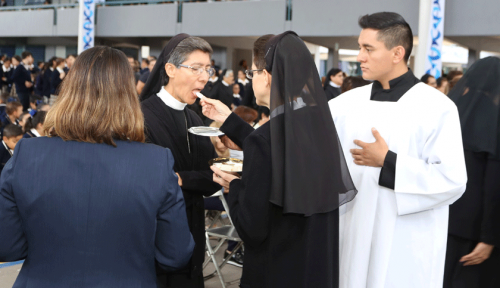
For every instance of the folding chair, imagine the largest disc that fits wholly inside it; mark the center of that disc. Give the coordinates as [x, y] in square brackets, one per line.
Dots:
[224, 233]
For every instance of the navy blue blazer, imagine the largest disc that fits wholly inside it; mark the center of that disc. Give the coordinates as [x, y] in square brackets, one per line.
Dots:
[92, 215]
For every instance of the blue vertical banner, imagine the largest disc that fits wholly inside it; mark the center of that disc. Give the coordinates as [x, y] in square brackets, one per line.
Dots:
[433, 59]
[86, 25]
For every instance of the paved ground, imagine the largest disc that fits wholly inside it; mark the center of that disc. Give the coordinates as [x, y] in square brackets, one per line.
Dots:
[231, 273]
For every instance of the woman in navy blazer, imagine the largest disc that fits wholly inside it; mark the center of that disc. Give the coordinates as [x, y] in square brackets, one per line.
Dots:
[100, 206]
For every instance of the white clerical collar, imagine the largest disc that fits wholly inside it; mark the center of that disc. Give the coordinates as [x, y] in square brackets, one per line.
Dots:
[35, 132]
[213, 80]
[224, 82]
[236, 96]
[334, 85]
[244, 82]
[170, 101]
[8, 149]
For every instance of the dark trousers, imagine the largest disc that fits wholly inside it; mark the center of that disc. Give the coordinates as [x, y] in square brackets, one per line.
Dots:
[179, 280]
[25, 100]
[476, 276]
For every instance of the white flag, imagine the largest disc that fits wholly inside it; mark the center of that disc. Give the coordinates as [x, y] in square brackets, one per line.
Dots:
[86, 27]
[433, 59]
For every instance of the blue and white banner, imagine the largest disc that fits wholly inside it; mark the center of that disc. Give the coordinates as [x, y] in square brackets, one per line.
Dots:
[433, 59]
[86, 26]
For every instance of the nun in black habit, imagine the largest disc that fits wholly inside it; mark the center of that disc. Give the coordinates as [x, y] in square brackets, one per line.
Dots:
[472, 255]
[182, 70]
[285, 206]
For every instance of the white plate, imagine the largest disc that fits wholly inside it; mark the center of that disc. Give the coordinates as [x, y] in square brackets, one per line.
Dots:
[205, 131]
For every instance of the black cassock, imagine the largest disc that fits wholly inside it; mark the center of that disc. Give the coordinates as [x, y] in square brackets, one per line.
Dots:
[281, 250]
[167, 127]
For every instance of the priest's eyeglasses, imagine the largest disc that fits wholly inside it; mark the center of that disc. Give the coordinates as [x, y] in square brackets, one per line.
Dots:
[249, 73]
[199, 70]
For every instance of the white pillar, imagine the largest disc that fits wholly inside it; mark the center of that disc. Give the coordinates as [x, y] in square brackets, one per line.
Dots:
[424, 18]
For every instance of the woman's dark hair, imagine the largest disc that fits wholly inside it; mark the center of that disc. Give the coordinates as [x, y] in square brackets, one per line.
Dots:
[332, 72]
[425, 78]
[7, 59]
[392, 28]
[18, 58]
[33, 122]
[259, 53]
[352, 82]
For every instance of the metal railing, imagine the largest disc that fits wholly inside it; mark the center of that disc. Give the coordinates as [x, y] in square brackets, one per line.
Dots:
[26, 6]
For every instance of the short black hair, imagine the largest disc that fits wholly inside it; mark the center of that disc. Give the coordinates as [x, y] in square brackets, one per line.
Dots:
[7, 58]
[12, 130]
[392, 28]
[153, 57]
[17, 57]
[425, 78]
[145, 60]
[26, 54]
[71, 55]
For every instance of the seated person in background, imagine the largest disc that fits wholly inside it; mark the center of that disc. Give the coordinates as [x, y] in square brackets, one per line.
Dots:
[35, 100]
[220, 148]
[264, 116]
[248, 115]
[43, 107]
[352, 82]
[11, 135]
[236, 95]
[34, 125]
[145, 75]
[3, 102]
[429, 80]
[23, 119]
[14, 110]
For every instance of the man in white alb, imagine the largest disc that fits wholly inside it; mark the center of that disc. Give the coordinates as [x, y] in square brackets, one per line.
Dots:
[403, 145]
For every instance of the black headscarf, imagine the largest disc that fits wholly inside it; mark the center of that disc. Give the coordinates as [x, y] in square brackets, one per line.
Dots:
[477, 96]
[309, 172]
[158, 77]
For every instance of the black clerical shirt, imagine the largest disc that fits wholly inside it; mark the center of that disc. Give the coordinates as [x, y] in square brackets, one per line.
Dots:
[398, 87]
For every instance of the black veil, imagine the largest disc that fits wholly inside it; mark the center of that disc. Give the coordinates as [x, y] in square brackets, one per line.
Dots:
[158, 77]
[477, 96]
[309, 171]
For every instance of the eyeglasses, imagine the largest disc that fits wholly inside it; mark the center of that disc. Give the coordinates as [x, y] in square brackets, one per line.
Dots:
[249, 73]
[199, 70]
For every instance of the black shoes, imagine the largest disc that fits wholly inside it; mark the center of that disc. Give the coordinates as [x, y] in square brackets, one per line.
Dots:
[236, 259]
